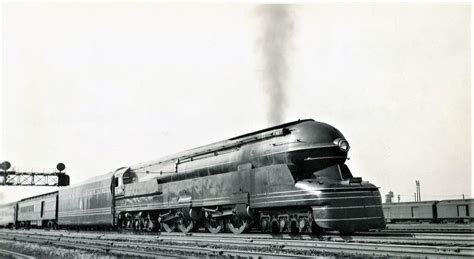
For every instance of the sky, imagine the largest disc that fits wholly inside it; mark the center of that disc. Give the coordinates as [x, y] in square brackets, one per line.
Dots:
[99, 86]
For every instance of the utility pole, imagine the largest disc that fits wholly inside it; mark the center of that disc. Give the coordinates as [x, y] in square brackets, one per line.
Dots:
[418, 191]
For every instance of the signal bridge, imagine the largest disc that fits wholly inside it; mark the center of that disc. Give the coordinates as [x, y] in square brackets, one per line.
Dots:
[34, 177]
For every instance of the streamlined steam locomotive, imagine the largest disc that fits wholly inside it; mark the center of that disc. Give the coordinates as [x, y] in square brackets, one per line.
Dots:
[287, 178]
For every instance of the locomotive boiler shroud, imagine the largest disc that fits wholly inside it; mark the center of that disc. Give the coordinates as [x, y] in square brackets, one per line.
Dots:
[290, 173]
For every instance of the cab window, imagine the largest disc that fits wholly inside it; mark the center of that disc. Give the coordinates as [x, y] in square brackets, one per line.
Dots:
[129, 177]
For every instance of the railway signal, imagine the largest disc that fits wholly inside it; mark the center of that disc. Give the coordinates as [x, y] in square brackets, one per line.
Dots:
[33, 178]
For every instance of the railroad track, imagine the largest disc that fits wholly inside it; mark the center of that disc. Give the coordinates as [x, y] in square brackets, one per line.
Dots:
[7, 253]
[419, 239]
[369, 237]
[423, 227]
[253, 245]
[139, 249]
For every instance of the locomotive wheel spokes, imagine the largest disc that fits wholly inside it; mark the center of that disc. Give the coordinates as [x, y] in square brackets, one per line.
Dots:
[186, 225]
[264, 225]
[236, 225]
[123, 223]
[128, 221]
[141, 221]
[282, 225]
[214, 225]
[149, 225]
[138, 223]
[169, 226]
[302, 225]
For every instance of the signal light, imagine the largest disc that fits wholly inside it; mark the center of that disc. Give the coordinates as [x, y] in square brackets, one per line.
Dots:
[60, 167]
[5, 165]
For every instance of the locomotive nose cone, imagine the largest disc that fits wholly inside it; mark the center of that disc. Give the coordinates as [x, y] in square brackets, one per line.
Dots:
[315, 132]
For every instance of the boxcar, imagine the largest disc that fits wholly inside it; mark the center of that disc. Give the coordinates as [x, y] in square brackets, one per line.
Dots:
[38, 210]
[8, 214]
[410, 211]
[86, 204]
[455, 210]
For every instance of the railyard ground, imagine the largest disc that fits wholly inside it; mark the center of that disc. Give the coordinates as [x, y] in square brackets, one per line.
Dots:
[48, 251]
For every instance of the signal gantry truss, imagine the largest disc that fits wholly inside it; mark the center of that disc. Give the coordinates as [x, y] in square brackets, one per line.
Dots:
[22, 178]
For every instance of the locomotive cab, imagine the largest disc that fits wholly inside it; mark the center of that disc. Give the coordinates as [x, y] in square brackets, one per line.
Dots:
[122, 176]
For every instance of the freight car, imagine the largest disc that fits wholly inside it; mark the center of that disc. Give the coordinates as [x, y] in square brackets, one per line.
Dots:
[410, 211]
[456, 211]
[287, 178]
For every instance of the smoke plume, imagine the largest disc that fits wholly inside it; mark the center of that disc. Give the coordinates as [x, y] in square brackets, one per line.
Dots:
[274, 43]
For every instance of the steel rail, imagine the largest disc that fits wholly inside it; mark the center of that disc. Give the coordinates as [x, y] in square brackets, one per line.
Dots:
[285, 245]
[90, 247]
[124, 247]
[14, 254]
[337, 246]
[459, 240]
[420, 239]
[429, 239]
[454, 228]
[366, 237]
[360, 239]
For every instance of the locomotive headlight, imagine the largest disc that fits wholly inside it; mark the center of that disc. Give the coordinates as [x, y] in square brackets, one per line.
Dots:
[343, 144]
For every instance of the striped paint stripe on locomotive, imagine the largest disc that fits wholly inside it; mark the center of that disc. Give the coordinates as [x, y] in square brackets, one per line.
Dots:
[348, 219]
[310, 199]
[86, 212]
[260, 200]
